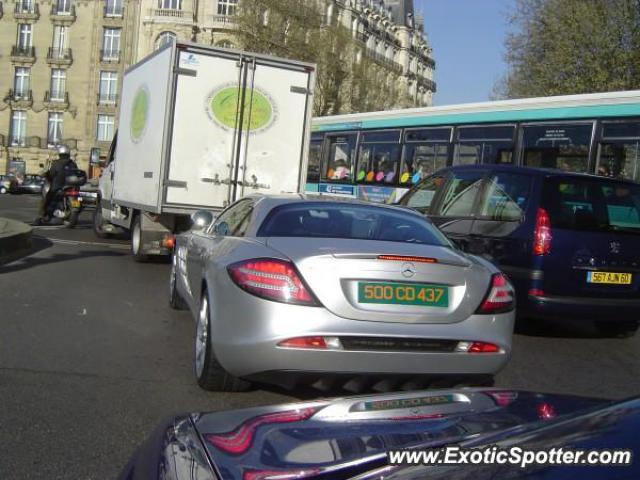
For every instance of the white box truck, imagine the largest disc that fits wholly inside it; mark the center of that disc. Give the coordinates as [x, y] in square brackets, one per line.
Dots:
[200, 127]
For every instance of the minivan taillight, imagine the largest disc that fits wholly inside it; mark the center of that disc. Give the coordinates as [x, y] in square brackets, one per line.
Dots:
[273, 279]
[499, 299]
[542, 233]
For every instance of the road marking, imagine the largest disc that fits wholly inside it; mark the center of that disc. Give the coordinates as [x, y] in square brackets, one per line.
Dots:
[78, 243]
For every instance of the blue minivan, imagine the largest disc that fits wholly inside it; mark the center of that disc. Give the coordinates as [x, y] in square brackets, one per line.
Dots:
[570, 243]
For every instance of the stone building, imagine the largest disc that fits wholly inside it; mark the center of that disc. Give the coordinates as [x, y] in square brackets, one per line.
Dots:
[63, 62]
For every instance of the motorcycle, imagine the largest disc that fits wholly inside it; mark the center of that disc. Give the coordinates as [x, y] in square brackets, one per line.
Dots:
[67, 201]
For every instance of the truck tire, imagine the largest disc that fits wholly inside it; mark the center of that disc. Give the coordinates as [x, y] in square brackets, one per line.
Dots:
[137, 240]
[98, 222]
[209, 373]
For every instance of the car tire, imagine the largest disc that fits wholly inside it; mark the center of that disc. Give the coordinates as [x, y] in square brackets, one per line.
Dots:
[98, 222]
[137, 240]
[175, 300]
[210, 374]
[618, 329]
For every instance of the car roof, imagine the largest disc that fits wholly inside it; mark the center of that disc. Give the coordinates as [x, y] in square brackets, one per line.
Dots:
[534, 171]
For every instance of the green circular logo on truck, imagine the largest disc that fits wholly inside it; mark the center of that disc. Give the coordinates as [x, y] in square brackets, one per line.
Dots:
[259, 109]
[139, 113]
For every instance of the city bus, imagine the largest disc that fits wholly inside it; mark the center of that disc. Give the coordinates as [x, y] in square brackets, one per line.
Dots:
[378, 156]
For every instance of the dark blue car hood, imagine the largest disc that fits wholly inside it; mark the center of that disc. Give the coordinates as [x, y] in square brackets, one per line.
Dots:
[345, 437]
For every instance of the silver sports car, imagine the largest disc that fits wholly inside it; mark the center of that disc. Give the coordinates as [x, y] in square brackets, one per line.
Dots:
[295, 286]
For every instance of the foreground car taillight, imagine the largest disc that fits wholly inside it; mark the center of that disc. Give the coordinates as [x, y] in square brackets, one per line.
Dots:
[272, 279]
[499, 299]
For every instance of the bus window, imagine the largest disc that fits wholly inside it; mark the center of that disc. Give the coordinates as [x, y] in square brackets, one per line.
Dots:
[426, 152]
[565, 147]
[619, 152]
[340, 162]
[490, 144]
[379, 158]
[315, 150]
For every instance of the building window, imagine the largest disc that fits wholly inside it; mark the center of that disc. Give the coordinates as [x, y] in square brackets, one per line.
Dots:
[165, 38]
[25, 6]
[59, 40]
[111, 44]
[21, 82]
[54, 136]
[63, 7]
[227, 7]
[170, 4]
[24, 36]
[113, 8]
[106, 125]
[108, 87]
[225, 44]
[58, 84]
[18, 127]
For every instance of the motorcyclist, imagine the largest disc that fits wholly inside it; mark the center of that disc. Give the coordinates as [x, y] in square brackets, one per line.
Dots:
[56, 176]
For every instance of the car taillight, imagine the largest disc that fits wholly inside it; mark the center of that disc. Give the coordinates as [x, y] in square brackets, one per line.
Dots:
[239, 440]
[72, 192]
[272, 279]
[542, 233]
[499, 299]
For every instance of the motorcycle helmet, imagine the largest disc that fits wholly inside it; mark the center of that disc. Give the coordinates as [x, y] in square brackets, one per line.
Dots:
[63, 150]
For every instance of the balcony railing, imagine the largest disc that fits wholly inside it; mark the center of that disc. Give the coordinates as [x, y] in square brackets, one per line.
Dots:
[107, 98]
[19, 98]
[59, 56]
[25, 10]
[113, 10]
[381, 59]
[18, 95]
[23, 53]
[168, 12]
[428, 84]
[57, 100]
[224, 20]
[110, 56]
[18, 140]
[59, 14]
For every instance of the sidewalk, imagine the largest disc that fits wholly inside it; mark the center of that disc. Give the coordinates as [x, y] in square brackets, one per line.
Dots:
[15, 239]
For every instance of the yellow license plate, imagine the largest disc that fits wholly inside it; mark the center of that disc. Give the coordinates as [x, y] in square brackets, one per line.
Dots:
[75, 203]
[612, 278]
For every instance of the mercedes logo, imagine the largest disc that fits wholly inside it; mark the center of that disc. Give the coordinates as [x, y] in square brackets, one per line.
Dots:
[408, 270]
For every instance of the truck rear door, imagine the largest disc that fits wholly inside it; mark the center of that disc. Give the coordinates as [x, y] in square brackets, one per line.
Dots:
[203, 129]
[275, 128]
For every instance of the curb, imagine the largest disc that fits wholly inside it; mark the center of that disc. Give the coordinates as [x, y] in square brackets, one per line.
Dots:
[15, 239]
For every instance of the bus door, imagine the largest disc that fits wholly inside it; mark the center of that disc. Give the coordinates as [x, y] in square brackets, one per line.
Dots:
[619, 150]
[426, 151]
[339, 165]
[492, 144]
[314, 164]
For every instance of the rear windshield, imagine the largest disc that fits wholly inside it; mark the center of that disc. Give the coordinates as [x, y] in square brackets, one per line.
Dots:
[358, 222]
[592, 204]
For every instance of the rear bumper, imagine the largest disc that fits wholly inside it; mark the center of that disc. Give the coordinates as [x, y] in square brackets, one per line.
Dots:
[580, 308]
[247, 331]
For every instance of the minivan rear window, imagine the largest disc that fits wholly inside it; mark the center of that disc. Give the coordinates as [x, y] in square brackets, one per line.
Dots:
[592, 205]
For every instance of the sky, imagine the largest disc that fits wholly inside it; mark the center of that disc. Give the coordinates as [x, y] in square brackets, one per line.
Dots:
[467, 37]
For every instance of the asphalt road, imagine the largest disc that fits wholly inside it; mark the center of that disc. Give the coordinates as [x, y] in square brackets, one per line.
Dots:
[92, 357]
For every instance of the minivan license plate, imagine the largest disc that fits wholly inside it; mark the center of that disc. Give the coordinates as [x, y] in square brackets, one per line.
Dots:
[612, 278]
[403, 294]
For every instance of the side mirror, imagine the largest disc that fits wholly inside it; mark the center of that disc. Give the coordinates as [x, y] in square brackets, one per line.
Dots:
[221, 229]
[201, 219]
